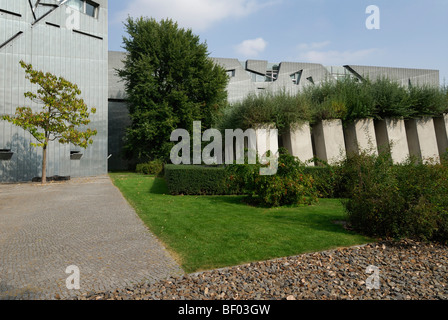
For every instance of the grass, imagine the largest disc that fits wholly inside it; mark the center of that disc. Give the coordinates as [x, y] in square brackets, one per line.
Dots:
[208, 232]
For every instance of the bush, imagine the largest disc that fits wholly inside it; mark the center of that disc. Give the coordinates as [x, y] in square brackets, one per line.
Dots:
[397, 201]
[375, 206]
[290, 186]
[153, 167]
[196, 180]
[282, 109]
[427, 101]
[327, 180]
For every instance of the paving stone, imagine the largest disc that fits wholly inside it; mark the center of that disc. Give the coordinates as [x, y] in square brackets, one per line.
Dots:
[83, 222]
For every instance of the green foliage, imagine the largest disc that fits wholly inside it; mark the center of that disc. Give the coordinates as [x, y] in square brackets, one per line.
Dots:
[62, 114]
[391, 100]
[347, 99]
[327, 179]
[343, 99]
[290, 186]
[407, 200]
[281, 109]
[426, 101]
[196, 180]
[154, 167]
[170, 82]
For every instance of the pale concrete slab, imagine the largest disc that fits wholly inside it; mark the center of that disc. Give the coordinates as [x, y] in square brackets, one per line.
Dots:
[329, 140]
[422, 140]
[299, 143]
[267, 139]
[391, 134]
[360, 136]
[441, 128]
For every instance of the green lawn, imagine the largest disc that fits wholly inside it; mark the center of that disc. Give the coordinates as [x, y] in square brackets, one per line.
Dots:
[207, 232]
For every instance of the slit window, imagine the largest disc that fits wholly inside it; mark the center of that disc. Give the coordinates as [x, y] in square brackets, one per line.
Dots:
[90, 8]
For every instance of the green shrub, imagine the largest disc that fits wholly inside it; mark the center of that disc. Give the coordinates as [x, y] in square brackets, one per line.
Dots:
[390, 99]
[327, 179]
[375, 206]
[154, 167]
[398, 201]
[427, 101]
[345, 99]
[197, 180]
[290, 186]
[281, 109]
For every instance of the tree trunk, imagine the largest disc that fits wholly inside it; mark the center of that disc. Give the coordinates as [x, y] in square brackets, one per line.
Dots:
[44, 166]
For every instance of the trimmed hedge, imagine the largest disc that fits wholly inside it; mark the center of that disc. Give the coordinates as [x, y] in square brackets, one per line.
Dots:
[196, 180]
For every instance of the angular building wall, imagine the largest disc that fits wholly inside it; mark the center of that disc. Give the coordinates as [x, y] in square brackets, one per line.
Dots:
[119, 118]
[54, 38]
[255, 76]
[404, 76]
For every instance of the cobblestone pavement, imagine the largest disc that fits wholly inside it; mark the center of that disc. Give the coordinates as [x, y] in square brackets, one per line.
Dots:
[84, 222]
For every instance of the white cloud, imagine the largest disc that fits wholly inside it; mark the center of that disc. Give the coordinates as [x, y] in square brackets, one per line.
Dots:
[312, 53]
[198, 15]
[251, 48]
[314, 45]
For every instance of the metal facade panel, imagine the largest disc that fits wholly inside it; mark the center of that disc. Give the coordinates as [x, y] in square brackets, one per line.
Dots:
[80, 58]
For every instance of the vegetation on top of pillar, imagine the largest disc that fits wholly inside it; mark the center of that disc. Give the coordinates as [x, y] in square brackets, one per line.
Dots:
[350, 99]
[347, 99]
[60, 117]
[281, 109]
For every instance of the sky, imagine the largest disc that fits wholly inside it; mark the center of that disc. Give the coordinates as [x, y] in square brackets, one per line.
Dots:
[398, 33]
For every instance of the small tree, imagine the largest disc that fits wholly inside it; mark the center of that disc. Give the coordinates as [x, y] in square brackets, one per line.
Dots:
[61, 115]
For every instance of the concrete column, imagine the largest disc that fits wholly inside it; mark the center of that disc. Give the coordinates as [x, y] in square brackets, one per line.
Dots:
[422, 139]
[329, 140]
[391, 135]
[360, 136]
[298, 142]
[267, 139]
[441, 128]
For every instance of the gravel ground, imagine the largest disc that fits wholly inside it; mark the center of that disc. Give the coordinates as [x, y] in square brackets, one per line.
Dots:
[407, 270]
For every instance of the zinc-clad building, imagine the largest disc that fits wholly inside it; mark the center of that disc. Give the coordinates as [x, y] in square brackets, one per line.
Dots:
[68, 39]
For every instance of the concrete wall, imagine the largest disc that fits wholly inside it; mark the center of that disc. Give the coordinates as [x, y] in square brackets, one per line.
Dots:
[267, 139]
[441, 128]
[79, 55]
[329, 142]
[360, 136]
[119, 120]
[422, 140]
[299, 143]
[391, 135]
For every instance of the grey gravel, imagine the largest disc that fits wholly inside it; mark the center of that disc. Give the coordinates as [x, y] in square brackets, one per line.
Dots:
[408, 270]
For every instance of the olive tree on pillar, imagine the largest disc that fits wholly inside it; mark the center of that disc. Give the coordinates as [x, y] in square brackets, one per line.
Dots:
[60, 117]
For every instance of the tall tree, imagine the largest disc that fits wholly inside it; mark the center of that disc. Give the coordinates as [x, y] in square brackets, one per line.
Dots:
[170, 82]
[60, 116]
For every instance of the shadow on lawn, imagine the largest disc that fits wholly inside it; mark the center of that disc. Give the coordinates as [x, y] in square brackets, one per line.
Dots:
[159, 186]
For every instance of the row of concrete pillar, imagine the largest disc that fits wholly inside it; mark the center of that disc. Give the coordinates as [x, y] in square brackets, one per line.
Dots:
[332, 140]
